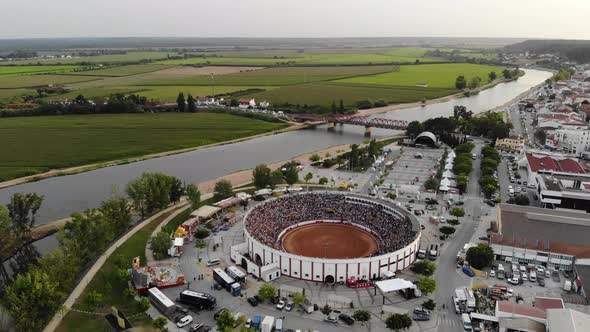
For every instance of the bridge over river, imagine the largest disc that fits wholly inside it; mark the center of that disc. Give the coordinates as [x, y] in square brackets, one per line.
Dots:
[352, 119]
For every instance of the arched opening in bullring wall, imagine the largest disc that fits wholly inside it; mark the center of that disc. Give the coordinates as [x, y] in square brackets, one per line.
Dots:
[329, 279]
[244, 264]
[258, 260]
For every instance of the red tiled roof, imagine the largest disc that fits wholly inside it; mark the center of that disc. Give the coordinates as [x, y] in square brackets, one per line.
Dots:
[580, 251]
[521, 309]
[550, 164]
[548, 303]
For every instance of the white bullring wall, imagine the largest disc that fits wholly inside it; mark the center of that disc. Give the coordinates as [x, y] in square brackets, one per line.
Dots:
[317, 269]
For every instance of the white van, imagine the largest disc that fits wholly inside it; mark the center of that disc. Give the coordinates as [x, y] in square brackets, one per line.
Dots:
[466, 322]
[279, 325]
[213, 262]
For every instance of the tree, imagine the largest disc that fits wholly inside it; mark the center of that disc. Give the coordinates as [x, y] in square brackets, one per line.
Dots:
[341, 108]
[462, 181]
[194, 195]
[225, 321]
[117, 214]
[159, 244]
[291, 174]
[85, 235]
[414, 129]
[424, 267]
[429, 304]
[180, 102]
[457, 212]
[447, 230]
[297, 298]
[426, 285]
[6, 242]
[326, 310]
[190, 100]
[308, 177]
[354, 156]
[314, 158]
[520, 200]
[541, 136]
[507, 74]
[152, 192]
[492, 76]
[431, 184]
[373, 149]
[144, 303]
[480, 256]
[276, 177]
[223, 189]
[160, 322]
[333, 108]
[362, 315]
[176, 189]
[460, 82]
[267, 291]
[22, 209]
[234, 103]
[32, 300]
[398, 322]
[323, 180]
[261, 176]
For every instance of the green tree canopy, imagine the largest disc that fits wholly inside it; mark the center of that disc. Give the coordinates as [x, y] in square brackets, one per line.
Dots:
[361, 315]
[159, 244]
[426, 285]
[267, 291]
[291, 174]
[414, 129]
[22, 210]
[431, 184]
[480, 256]
[261, 176]
[447, 230]
[223, 189]
[424, 267]
[180, 102]
[398, 322]
[460, 82]
[225, 321]
[457, 212]
[194, 195]
[190, 100]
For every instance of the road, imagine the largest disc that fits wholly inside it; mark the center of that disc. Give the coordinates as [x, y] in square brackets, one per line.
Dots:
[448, 277]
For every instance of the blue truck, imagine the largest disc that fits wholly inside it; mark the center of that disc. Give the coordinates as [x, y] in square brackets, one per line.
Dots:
[256, 323]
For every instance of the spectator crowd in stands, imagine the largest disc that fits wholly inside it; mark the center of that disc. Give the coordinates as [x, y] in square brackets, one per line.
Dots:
[266, 221]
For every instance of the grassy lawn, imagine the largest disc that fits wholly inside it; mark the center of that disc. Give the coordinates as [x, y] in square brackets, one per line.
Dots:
[112, 289]
[325, 92]
[7, 94]
[436, 76]
[276, 76]
[37, 144]
[122, 70]
[25, 81]
[11, 70]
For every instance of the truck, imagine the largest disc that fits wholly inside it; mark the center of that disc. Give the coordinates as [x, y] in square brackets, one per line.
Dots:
[500, 274]
[256, 323]
[267, 324]
[307, 306]
[227, 282]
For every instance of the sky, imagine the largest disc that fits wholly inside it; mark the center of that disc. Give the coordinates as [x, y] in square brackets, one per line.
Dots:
[295, 18]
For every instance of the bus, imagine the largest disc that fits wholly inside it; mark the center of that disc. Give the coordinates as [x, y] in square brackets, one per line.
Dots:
[226, 282]
[161, 301]
[234, 272]
[198, 300]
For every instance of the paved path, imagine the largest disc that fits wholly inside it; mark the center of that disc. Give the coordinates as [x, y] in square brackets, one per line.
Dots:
[54, 323]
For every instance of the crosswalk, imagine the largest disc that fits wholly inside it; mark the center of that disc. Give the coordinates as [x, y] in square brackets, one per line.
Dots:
[448, 322]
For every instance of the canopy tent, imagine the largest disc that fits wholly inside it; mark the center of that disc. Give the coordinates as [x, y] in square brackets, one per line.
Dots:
[449, 166]
[392, 285]
[445, 182]
[448, 174]
[205, 212]
[228, 202]
[452, 154]
[444, 188]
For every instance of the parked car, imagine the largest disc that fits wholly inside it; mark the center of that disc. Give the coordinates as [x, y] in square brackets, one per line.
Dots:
[197, 327]
[331, 319]
[281, 305]
[346, 318]
[253, 302]
[510, 292]
[248, 323]
[492, 273]
[289, 306]
[184, 321]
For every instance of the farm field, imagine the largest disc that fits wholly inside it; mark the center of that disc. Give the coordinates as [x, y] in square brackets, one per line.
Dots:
[169, 93]
[111, 58]
[436, 76]
[323, 93]
[121, 70]
[14, 70]
[37, 144]
[6, 94]
[276, 76]
[25, 81]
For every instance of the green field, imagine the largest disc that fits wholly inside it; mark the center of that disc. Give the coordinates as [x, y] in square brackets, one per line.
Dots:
[171, 92]
[26, 81]
[13, 70]
[7, 94]
[436, 76]
[324, 93]
[122, 70]
[36, 144]
[114, 58]
[276, 76]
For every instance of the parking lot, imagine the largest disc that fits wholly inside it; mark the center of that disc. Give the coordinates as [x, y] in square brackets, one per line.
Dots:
[414, 166]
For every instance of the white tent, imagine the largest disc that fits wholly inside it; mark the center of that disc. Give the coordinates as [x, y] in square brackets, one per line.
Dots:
[449, 166]
[448, 174]
[204, 212]
[392, 285]
[445, 182]
[443, 188]
[452, 154]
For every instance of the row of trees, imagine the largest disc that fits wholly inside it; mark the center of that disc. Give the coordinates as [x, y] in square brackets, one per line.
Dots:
[40, 286]
[463, 165]
[265, 178]
[489, 165]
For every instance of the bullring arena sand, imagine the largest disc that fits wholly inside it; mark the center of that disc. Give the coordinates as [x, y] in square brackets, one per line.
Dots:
[330, 240]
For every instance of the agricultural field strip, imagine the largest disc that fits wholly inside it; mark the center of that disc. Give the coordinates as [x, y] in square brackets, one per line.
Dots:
[120, 71]
[23, 70]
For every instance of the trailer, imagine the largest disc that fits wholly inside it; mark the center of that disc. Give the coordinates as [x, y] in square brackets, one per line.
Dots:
[235, 272]
[161, 302]
[267, 324]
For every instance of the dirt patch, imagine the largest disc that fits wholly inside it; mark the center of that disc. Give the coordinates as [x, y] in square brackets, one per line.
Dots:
[183, 71]
[329, 240]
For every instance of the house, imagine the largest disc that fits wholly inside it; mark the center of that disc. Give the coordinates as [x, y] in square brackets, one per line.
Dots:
[264, 104]
[247, 103]
[512, 143]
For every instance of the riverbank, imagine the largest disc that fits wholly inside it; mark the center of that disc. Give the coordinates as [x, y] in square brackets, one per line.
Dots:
[91, 167]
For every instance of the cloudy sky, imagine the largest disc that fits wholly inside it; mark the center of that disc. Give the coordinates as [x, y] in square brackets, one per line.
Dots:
[296, 18]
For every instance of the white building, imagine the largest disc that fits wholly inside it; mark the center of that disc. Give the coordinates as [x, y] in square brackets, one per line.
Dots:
[573, 141]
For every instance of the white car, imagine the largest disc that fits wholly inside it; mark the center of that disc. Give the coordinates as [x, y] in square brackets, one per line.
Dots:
[248, 323]
[524, 277]
[492, 273]
[510, 292]
[184, 321]
[280, 305]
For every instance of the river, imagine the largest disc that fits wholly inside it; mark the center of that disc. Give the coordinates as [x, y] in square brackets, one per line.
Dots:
[67, 194]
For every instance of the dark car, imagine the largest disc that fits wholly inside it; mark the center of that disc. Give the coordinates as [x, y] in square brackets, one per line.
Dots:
[346, 318]
[253, 302]
[420, 317]
[490, 203]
